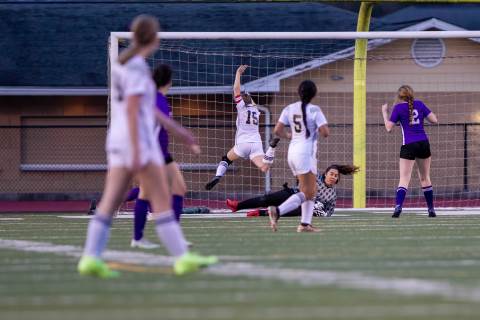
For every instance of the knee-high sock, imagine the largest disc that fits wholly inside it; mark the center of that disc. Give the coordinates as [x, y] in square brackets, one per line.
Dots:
[293, 202]
[140, 218]
[401, 193]
[223, 166]
[170, 233]
[177, 206]
[307, 212]
[132, 194]
[428, 193]
[97, 235]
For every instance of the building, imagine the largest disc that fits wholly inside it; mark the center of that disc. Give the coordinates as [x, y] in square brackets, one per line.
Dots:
[55, 76]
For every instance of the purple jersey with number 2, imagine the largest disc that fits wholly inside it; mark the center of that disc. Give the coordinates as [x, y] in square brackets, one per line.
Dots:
[411, 132]
[164, 107]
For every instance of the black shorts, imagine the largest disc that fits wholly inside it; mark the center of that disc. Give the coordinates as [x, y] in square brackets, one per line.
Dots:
[168, 159]
[419, 149]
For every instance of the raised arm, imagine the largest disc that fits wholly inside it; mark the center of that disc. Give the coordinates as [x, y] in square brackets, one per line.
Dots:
[237, 84]
[388, 124]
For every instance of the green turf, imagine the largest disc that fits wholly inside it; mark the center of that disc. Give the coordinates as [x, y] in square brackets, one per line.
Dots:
[443, 250]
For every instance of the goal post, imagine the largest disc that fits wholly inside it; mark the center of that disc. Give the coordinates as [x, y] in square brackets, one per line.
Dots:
[200, 91]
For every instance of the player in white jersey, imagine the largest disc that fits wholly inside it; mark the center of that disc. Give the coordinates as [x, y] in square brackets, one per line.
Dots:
[248, 143]
[132, 150]
[306, 121]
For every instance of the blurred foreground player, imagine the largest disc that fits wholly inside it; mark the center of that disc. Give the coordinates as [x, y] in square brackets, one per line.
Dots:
[132, 150]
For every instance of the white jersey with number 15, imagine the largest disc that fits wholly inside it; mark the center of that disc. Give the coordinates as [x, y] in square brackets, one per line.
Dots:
[292, 116]
[248, 117]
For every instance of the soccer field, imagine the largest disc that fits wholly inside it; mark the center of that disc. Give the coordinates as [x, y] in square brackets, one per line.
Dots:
[361, 266]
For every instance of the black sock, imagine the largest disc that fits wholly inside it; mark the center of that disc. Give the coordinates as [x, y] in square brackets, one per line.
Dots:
[258, 202]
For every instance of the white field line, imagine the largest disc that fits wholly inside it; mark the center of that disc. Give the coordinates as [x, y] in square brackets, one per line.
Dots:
[11, 219]
[348, 280]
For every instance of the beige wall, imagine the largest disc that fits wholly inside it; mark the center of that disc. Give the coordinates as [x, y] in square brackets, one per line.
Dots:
[51, 145]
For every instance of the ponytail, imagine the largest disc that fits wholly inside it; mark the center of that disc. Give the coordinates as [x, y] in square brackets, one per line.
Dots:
[307, 90]
[405, 93]
[128, 54]
[304, 117]
[410, 111]
[144, 28]
[345, 170]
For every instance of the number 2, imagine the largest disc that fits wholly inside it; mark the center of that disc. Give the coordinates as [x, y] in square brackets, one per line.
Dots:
[415, 119]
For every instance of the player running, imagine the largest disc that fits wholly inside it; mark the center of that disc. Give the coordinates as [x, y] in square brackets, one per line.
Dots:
[248, 143]
[415, 147]
[132, 150]
[162, 75]
[307, 121]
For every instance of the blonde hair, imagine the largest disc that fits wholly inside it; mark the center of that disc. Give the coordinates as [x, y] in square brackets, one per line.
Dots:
[144, 28]
[405, 93]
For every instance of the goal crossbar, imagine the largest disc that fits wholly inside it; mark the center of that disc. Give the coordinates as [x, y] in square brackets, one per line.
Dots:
[352, 35]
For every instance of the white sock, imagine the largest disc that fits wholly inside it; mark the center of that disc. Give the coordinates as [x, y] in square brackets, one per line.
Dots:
[307, 211]
[292, 203]
[222, 168]
[269, 155]
[97, 235]
[170, 233]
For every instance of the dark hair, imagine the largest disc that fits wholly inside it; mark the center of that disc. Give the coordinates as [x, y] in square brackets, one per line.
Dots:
[247, 98]
[144, 28]
[346, 170]
[405, 93]
[162, 75]
[306, 90]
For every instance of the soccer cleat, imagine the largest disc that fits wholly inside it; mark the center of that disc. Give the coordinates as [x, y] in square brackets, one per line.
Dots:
[274, 216]
[192, 262]
[90, 266]
[431, 213]
[269, 156]
[212, 183]
[253, 213]
[307, 228]
[232, 204]
[397, 212]
[143, 244]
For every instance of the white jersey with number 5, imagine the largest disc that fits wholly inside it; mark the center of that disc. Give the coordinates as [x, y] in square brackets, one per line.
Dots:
[292, 116]
[248, 117]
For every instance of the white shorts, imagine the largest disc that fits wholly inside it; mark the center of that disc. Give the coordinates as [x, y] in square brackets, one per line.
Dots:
[122, 157]
[302, 164]
[248, 150]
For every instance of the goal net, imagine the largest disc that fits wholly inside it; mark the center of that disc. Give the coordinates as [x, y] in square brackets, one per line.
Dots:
[444, 72]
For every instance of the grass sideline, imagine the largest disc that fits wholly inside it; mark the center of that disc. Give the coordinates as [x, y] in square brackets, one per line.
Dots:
[334, 274]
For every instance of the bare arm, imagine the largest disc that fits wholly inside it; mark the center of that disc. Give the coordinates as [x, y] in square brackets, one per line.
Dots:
[174, 128]
[280, 131]
[237, 84]
[388, 124]
[432, 118]
[324, 131]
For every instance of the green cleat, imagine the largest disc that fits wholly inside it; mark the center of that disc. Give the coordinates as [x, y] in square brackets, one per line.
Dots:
[191, 262]
[90, 266]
